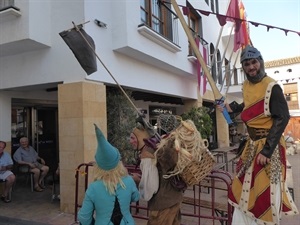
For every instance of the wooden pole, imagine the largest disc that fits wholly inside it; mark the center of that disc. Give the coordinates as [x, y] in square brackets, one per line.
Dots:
[149, 127]
[219, 99]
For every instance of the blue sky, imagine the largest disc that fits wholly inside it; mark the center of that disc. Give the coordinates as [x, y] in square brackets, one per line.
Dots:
[274, 44]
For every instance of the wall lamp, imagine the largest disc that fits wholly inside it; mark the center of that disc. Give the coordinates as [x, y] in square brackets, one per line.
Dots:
[100, 23]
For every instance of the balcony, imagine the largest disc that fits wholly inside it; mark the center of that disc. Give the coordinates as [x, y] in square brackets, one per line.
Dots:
[150, 36]
[158, 38]
[22, 30]
[9, 12]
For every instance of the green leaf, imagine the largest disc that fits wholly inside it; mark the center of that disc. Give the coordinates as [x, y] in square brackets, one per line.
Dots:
[201, 118]
[120, 121]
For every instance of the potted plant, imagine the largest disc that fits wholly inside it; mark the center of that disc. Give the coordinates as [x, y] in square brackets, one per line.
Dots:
[201, 118]
[120, 121]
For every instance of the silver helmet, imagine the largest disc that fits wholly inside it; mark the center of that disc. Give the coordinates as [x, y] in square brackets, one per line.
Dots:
[252, 53]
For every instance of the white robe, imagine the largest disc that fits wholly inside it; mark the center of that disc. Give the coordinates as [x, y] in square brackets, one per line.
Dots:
[150, 181]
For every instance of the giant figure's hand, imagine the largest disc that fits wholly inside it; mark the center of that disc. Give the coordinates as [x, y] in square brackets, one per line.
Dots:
[262, 160]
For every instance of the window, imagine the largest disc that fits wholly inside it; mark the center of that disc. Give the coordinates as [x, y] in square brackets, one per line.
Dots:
[220, 69]
[195, 25]
[220, 74]
[235, 76]
[213, 68]
[290, 88]
[293, 101]
[217, 6]
[291, 95]
[4, 4]
[224, 74]
[159, 17]
[214, 6]
[294, 97]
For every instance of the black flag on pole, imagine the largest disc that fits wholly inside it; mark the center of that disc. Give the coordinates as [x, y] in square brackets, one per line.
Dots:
[80, 48]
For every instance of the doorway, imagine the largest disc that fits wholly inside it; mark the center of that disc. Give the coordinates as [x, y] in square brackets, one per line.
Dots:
[40, 125]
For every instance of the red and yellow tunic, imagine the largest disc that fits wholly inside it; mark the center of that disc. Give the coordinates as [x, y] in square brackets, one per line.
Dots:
[254, 187]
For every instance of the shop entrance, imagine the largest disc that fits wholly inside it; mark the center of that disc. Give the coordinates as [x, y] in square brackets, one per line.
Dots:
[40, 124]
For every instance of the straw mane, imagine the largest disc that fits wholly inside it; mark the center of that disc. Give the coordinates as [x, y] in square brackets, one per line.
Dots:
[187, 143]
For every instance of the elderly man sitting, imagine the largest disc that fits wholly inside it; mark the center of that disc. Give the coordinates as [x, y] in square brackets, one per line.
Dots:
[291, 147]
[26, 155]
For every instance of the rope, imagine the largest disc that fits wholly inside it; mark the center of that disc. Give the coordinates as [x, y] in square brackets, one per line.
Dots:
[78, 29]
[147, 124]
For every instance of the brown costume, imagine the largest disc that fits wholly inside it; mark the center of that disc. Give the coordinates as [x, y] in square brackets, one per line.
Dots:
[165, 204]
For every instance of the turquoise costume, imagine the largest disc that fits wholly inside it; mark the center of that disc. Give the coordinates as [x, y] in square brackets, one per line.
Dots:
[107, 199]
[97, 198]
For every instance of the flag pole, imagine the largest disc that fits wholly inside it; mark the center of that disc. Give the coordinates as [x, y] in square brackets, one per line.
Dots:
[217, 45]
[218, 96]
[219, 38]
[223, 57]
[221, 71]
[230, 76]
[233, 65]
[147, 124]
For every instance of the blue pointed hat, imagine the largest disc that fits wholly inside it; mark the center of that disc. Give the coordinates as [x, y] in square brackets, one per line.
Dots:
[107, 156]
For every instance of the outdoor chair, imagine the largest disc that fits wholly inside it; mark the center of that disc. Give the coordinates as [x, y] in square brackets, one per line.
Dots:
[2, 183]
[55, 186]
[24, 171]
[21, 170]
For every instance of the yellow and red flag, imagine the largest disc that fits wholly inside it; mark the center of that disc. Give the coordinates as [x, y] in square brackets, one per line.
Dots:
[244, 26]
[236, 14]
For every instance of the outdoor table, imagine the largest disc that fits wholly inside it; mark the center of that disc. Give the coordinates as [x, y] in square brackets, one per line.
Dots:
[224, 151]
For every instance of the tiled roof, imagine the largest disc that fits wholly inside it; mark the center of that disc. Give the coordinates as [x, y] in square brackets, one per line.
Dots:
[282, 62]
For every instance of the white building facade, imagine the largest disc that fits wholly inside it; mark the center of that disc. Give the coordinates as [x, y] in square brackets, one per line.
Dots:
[47, 96]
[287, 73]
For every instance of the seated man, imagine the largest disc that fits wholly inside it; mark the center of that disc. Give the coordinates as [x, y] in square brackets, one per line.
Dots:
[289, 139]
[291, 147]
[26, 155]
[6, 164]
